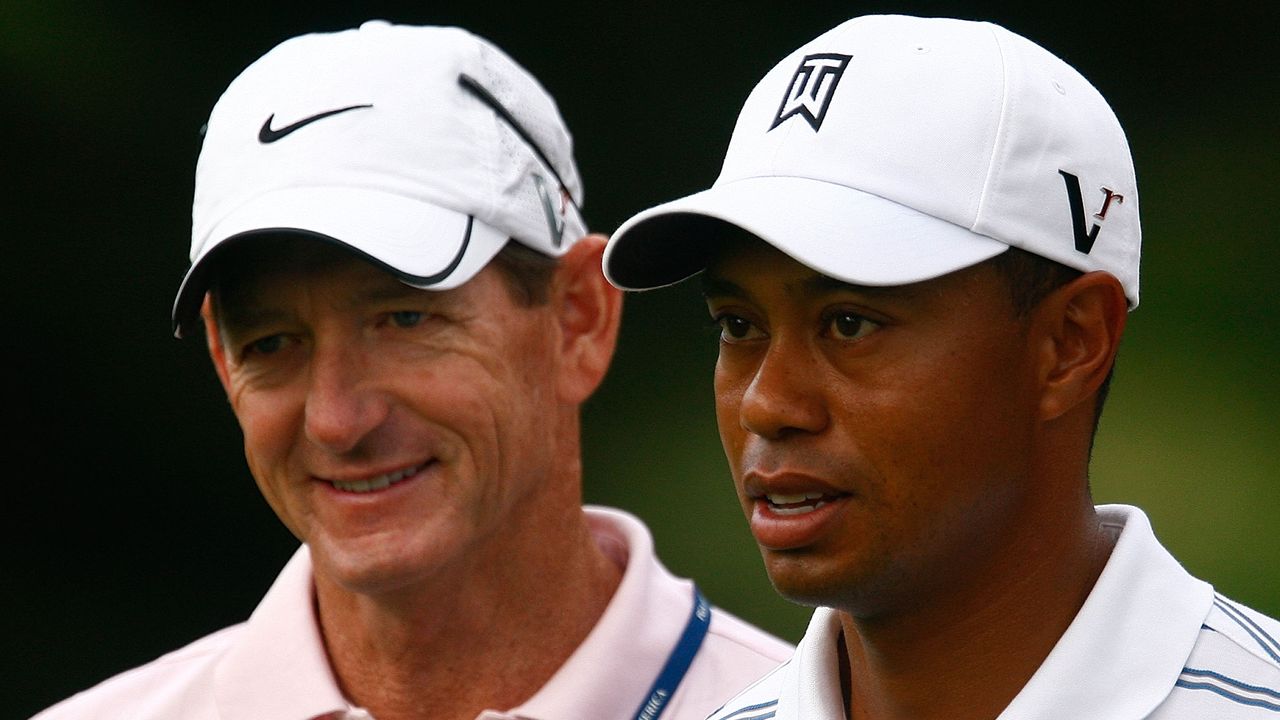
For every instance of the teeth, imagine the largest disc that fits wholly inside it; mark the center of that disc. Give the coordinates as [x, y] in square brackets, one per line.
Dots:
[797, 510]
[795, 504]
[780, 499]
[378, 483]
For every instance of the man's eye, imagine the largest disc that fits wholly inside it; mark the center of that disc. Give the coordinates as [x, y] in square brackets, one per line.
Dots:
[407, 318]
[265, 346]
[733, 327]
[845, 325]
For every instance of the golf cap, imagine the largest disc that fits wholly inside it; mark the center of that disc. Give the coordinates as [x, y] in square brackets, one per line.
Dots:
[422, 149]
[893, 149]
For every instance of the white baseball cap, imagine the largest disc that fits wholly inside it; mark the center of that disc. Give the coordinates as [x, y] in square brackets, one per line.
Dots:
[423, 149]
[895, 149]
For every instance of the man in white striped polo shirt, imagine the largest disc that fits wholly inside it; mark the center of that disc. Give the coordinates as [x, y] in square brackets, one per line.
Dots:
[922, 250]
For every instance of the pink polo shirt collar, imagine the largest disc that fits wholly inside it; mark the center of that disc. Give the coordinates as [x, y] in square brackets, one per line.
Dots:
[606, 678]
[609, 676]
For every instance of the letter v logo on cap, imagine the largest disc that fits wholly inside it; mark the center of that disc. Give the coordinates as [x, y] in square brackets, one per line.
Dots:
[1086, 236]
[555, 220]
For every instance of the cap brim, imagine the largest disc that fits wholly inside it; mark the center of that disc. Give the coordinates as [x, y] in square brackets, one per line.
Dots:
[838, 231]
[424, 245]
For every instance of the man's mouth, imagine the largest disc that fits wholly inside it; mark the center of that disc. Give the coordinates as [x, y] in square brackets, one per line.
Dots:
[798, 503]
[377, 483]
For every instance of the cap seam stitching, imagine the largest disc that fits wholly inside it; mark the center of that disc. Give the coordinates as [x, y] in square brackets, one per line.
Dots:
[998, 141]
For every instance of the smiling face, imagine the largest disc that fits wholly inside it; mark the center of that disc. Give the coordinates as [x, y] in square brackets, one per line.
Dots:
[398, 432]
[879, 438]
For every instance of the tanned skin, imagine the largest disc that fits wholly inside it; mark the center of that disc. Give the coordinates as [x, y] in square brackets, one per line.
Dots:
[467, 582]
[949, 438]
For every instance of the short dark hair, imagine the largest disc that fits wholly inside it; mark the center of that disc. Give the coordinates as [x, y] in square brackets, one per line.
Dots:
[1031, 278]
[527, 271]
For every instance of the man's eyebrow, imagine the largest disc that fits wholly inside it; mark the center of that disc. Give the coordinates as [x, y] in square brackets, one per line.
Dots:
[245, 313]
[238, 318]
[715, 286]
[389, 291]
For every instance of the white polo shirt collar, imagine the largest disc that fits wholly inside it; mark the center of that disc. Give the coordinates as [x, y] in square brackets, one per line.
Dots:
[1118, 660]
[1128, 644]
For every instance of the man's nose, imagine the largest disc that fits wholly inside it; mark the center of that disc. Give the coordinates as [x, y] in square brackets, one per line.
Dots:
[344, 403]
[785, 394]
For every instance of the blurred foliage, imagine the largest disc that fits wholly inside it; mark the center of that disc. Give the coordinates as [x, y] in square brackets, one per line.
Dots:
[137, 527]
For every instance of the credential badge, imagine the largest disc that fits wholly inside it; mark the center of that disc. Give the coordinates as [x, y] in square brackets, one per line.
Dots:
[810, 91]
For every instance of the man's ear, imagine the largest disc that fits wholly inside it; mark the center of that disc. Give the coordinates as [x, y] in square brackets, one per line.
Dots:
[589, 311]
[1080, 325]
[217, 351]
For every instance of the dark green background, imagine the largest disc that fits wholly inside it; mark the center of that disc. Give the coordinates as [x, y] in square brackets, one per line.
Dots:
[133, 526]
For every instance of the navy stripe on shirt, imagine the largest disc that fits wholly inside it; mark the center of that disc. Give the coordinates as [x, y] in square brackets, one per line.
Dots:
[1198, 673]
[741, 713]
[1265, 705]
[1264, 640]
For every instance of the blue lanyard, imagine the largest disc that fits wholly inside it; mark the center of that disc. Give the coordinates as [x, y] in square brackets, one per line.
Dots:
[678, 664]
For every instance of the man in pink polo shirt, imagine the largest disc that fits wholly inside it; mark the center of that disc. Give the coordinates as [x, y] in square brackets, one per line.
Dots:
[401, 300]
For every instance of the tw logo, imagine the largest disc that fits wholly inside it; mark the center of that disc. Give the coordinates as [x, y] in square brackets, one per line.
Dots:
[1085, 238]
[810, 91]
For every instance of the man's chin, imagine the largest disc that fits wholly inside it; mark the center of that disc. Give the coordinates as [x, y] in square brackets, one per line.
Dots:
[800, 581]
[369, 568]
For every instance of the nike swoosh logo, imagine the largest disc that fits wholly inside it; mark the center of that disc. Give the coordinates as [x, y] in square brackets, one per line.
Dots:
[268, 135]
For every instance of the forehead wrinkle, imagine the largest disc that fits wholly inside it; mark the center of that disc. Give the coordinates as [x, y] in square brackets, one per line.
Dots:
[250, 302]
[395, 290]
